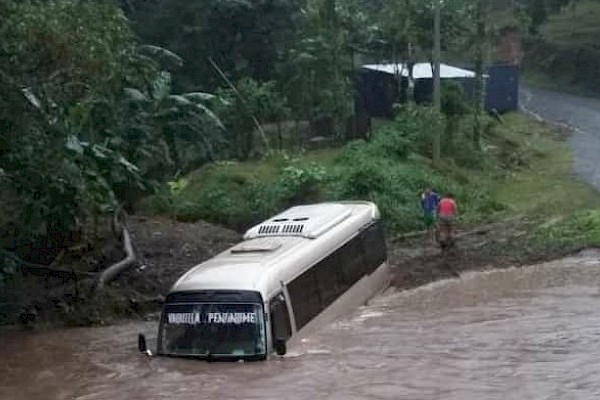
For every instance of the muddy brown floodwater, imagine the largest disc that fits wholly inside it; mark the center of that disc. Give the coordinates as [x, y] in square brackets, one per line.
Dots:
[530, 333]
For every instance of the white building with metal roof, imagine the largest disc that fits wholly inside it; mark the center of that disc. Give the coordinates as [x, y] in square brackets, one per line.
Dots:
[421, 70]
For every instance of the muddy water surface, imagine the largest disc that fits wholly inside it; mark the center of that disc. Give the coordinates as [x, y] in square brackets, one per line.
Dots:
[531, 333]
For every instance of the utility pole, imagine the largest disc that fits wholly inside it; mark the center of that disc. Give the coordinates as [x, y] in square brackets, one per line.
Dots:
[481, 16]
[437, 95]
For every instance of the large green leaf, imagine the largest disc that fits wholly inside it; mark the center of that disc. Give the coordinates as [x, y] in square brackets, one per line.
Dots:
[162, 55]
[135, 95]
[212, 116]
[180, 100]
[199, 96]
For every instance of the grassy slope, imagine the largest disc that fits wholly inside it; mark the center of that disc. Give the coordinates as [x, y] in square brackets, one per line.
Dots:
[560, 213]
[547, 187]
[549, 213]
[527, 173]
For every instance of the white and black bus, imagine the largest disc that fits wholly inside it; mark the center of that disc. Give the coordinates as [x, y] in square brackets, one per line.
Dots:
[292, 273]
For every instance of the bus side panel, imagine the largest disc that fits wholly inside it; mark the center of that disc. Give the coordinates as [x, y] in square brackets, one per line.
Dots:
[345, 279]
[356, 296]
[305, 296]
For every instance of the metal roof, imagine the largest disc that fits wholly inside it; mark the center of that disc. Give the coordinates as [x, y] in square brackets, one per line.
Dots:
[422, 70]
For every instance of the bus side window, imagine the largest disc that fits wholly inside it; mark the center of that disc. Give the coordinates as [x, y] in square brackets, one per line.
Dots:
[305, 297]
[352, 262]
[280, 318]
[327, 280]
[374, 246]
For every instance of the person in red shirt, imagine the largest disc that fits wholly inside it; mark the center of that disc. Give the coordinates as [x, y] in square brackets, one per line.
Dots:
[447, 212]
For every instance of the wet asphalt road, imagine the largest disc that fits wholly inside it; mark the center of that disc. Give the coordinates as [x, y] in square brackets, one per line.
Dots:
[582, 115]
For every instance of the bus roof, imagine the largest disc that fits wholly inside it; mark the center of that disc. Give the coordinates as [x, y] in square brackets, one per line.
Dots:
[280, 248]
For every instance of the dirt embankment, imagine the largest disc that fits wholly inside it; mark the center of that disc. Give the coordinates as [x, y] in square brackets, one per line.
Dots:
[165, 249]
[417, 261]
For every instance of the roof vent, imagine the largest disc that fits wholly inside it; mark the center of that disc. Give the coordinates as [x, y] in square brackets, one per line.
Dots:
[306, 221]
[292, 228]
[269, 229]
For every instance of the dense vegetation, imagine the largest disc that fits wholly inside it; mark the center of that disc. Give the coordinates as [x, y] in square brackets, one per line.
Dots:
[87, 119]
[95, 115]
[390, 169]
[105, 103]
[521, 160]
[565, 53]
[561, 41]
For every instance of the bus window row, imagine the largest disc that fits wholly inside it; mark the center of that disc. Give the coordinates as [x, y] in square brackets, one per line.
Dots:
[321, 285]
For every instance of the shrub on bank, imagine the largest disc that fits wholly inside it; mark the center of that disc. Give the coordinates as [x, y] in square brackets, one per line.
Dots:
[391, 170]
[580, 230]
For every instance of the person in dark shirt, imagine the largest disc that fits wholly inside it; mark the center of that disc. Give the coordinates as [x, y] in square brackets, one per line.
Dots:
[429, 205]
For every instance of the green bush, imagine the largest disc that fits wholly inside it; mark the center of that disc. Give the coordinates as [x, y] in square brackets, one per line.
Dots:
[237, 200]
[298, 184]
[465, 155]
[578, 231]
[418, 126]
[360, 174]
[390, 144]
[359, 179]
[392, 169]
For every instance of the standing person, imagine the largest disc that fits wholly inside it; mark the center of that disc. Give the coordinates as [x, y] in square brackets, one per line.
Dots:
[429, 204]
[447, 213]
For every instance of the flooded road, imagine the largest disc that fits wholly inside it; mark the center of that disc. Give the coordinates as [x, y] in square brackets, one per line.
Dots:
[531, 333]
[582, 115]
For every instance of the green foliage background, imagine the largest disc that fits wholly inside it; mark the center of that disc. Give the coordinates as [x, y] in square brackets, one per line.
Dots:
[391, 170]
[106, 102]
[87, 122]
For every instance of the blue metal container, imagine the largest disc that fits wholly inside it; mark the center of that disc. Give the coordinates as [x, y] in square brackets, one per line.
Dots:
[502, 88]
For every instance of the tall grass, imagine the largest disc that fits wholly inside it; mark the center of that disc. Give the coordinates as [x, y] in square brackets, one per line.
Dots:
[522, 161]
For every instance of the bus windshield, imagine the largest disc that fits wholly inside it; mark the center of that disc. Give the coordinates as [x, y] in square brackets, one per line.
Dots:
[213, 330]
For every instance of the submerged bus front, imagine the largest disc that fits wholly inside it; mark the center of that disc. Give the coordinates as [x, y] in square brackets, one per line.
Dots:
[213, 324]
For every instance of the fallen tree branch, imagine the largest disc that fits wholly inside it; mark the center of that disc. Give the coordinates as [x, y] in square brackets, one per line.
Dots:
[411, 235]
[489, 227]
[477, 231]
[414, 234]
[114, 270]
[110, 273]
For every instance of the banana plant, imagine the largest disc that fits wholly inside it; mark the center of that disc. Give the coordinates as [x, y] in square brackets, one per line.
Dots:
[186, 125]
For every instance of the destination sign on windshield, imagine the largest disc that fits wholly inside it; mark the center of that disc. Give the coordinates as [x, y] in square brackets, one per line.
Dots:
[225, 318]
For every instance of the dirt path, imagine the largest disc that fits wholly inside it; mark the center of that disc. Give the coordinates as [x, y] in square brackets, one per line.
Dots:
[417, 261]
